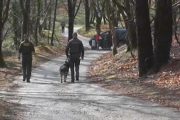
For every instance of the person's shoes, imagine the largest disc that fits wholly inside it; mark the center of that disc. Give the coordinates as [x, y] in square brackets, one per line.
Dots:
[24, 78]
[72, 81]
[77, 79]
[28, 81]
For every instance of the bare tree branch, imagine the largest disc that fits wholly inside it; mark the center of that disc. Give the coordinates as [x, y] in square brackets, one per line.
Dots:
[64, 5]
[78, 8]
[5, 14]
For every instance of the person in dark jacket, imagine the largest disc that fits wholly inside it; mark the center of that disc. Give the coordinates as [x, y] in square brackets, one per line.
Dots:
[74, 51]
[26, 49]
[63, 26]
[109, 40]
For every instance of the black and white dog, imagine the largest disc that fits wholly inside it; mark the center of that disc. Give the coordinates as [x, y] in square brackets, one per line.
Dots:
[64, 69]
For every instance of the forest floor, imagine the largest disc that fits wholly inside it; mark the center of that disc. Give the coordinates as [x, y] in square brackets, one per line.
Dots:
[119, 73]
[14, 68]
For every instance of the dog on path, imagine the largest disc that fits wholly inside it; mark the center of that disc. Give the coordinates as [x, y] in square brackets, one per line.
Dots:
[64, 69]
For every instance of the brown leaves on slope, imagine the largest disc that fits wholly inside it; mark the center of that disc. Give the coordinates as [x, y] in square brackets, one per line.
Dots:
[117, 73]
[169, 75]
[169, 79]
[122, 64]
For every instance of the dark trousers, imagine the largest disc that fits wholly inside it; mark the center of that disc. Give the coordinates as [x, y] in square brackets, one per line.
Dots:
[74, 62]
[62, 29]
[97, 45]
[105, 44]
[27, 66]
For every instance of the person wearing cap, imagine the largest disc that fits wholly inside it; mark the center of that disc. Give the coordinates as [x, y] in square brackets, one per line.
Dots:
[26, 49]
[74, 51]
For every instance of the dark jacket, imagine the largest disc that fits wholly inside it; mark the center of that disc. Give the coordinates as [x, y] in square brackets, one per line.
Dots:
[26, 48]
[75, 48]
[109, 39]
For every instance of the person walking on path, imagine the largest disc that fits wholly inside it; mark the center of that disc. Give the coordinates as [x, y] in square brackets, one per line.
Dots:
[63, 26]
[26, 49]
[74, 51]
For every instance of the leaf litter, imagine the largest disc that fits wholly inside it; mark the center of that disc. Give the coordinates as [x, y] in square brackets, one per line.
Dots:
[122, 72]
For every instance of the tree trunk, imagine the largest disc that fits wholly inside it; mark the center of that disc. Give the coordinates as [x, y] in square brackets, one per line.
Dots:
[162, 33]
[145, 48]
[115, 16]
[131, 26]
[26, 12]
[129, 23]
[45, 20]
[87, 15]
[36, 33]
[39, 16]
[98, 24]
[150, 2]
[54, 24]
[3, 19]
[71, 20]
[112, 25]
[71, 14]
[16, 26]
[132, 35]
[92, 18]
[2, 62]
[49, 26]
[98, 8]
[104, 18]
[25, 24]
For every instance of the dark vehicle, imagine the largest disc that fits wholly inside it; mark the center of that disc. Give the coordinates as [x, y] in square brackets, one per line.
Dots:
[120, 35]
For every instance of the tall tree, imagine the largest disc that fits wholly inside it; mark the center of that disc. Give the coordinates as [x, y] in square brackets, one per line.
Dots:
[112, 24]
[87, 14]
[99, 7]
[145, 48]
[53, 30]
[50, 17]
[25, 6]
[45, 19]
[16, 15]
[127, 12]
[37, 21]
[131, 25]
[162, 33]
[3, 19]
[72, 12]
